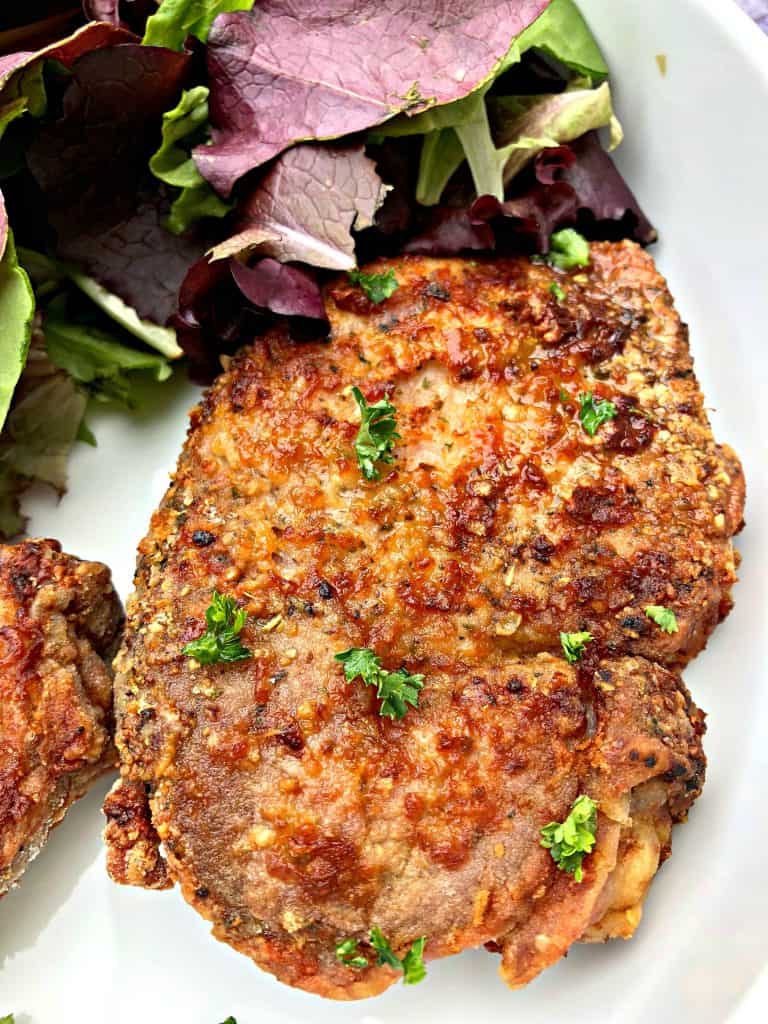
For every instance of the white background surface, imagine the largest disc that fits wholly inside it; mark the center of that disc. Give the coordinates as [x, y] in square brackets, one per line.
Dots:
[75, 949]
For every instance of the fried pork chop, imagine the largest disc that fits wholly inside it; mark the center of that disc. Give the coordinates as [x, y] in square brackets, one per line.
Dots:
[59, 625]
[293, 815]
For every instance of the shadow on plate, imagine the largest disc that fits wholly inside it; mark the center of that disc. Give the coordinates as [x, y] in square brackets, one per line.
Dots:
[49, 881]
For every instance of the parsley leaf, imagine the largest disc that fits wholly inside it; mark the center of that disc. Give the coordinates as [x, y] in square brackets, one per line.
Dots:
[377, 434]
[377, 287]
[557, 291]
[568, 249]
[663, 617]
[395, 689]
[573, 645]
[8, 1019]
[570, 841]
[384, 954]
[345, 952]
[412, 964]
[219, 642]
[414, 969]
[229, 1020]
[594, 413]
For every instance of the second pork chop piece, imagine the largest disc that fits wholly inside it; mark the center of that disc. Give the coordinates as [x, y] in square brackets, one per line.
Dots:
[60, 621]
[293, 815]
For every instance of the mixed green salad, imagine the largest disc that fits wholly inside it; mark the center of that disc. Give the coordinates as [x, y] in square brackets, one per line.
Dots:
[179, 176]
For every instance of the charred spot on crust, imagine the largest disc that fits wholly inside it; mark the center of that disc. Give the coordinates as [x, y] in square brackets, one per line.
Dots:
[542, 549]
[629, 431]
[603, 506]
[435, 290]
[202, 538]
[648, 575]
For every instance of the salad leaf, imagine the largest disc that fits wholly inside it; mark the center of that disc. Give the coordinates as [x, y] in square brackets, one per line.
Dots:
[450, 231]
[172, 163]
[134, 258]
[461, 129]
[91, 165]
[95, 359]
[177, 19]
[10, 111]
[306, 205]
[529, 124]
[504, 133]
[358, 65]
[45, 421]
[603, 195]
[163, 339]
[279, 288]
[65, 51]
[17, 307]
[210, 317]
[562, 33]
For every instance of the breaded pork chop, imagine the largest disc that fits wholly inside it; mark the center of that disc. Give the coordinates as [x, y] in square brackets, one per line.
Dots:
[293, 815]
[59, 626]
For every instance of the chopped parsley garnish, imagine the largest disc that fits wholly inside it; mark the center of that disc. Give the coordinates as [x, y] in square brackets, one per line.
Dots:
[377, 287]
[594, 413]
[377, 434]
[568, 249]
[414, 968]
[229, 1020]
[569, 842]
[220, 640]
[395, 689]
[8, 1019]
[573, 645]
[663, 617]
[346, 952]
[412, 964]
[557, 291]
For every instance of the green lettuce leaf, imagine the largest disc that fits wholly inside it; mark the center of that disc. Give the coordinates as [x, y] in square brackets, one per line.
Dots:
[177, 19]
[17, 308]
[92, 358]
[172, 163]
[561, 32]
[525, 125]
[45, 421]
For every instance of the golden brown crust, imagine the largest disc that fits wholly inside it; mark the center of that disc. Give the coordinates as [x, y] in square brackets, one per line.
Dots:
[292, 815]
[133, 845]
[59, 625]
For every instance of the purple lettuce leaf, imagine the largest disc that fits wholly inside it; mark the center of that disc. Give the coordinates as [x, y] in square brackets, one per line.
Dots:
[607, 205]
[268, 93]
[452, 230]
[91, 166]
[213, 316]
[66, 51]
[133, 256]
[290, 291]
[306, 205]
[574, 185]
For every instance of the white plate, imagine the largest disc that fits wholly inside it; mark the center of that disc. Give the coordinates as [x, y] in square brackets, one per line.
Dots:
[75, 949]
